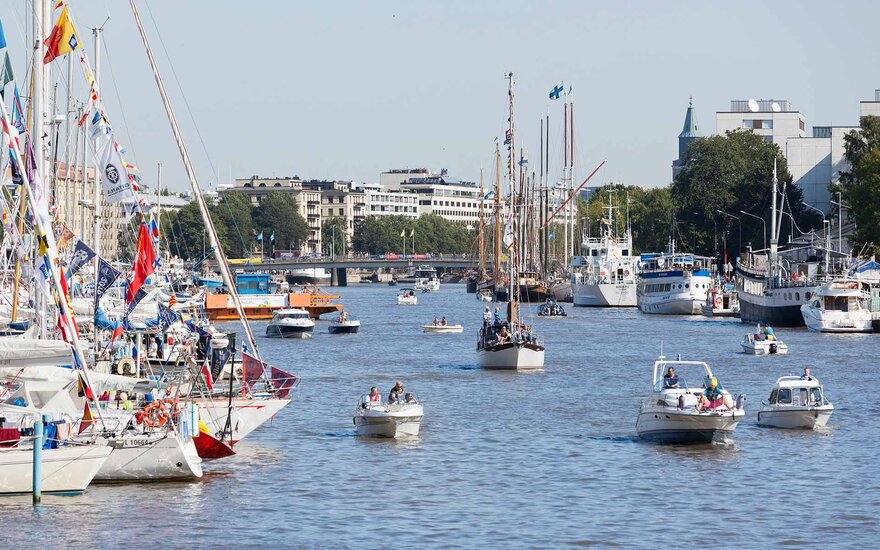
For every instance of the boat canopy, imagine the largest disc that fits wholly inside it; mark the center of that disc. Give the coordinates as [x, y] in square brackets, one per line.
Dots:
[31, 352]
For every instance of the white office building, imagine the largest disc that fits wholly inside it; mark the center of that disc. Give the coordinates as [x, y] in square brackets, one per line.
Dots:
[450, 198]
[775, 120]
[392, 179]
[380, 202]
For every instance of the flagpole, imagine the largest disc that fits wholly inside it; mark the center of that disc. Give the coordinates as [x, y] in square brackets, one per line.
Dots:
[99, 207]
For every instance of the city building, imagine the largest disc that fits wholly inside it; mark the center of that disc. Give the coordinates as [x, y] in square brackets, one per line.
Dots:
[74, 200]
[870, 108]
[689, 133]
[775, 120]
[380, 202]
[442, 195]
[339, 199]
[392, 179]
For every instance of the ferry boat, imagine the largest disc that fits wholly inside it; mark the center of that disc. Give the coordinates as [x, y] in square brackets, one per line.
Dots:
[673, 283]
[604, 275]
[259, 302]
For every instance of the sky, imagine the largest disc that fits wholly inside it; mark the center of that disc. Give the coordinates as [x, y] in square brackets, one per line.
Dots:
[345, 90]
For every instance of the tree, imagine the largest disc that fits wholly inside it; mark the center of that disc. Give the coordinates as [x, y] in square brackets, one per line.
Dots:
[861, 184]
[278, 213]
[732, 173]
[333, 236]
[234, 214]
[183, 233]
[381, 234]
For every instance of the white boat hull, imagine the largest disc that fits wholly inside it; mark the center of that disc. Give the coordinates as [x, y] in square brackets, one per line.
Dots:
[439, 329]
[392, 421]
[808, 418]
[512, 357]
[604, 295]
[765, 348]
[689, 426]
[836, 321]
[407, 301]
[672, 305]
[150, 457]
[66, 470]
[247, 414]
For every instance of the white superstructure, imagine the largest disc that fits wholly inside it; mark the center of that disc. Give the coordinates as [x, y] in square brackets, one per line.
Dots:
[840, 305]
[673, 283]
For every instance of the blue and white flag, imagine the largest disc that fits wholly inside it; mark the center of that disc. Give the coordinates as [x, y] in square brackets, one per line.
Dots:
[489, 195]
[554, 93]
[260, 236]
[107, 275]
[166, 317]
[272, 237]
[523, 162]
[82, 255]
[139, 295]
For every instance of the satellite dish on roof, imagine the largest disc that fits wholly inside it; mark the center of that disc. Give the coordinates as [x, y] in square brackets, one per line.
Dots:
[753, 106]
[775, 107]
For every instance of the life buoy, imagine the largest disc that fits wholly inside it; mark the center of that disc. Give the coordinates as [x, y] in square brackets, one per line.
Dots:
[126, 366]
[626, 272]
[155, 414]
[717, 301]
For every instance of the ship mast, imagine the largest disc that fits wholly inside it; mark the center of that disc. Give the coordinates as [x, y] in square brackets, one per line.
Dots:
[774, 236]
[481, 269]
[496, 259]
[512, 259]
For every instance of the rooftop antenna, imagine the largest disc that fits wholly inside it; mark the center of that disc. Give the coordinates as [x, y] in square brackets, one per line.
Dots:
[753, 106]
[775, 107]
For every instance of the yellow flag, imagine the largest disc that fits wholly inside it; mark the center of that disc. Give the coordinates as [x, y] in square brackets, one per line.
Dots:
[63, 38]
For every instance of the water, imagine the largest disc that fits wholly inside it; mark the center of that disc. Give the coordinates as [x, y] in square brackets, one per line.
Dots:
[517, 459]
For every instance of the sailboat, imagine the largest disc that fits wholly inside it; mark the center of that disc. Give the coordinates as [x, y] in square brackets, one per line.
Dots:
[510, 343]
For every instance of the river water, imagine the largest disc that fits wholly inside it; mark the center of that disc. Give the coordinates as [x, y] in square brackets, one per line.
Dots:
[516, 459]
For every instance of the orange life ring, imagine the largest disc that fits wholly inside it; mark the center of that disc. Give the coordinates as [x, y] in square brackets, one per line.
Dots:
[717, 301]
[155, 414]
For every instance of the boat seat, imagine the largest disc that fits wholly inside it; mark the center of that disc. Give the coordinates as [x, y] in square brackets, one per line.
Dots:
[690, 400]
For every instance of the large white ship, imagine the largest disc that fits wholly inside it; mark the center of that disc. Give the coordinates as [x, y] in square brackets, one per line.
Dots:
[604, 275]
[673, 283]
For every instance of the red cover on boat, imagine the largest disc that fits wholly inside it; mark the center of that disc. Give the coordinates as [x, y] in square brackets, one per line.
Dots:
[209, 447]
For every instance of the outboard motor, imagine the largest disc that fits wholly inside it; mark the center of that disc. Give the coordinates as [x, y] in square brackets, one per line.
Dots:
[740, 401]
[772, 349]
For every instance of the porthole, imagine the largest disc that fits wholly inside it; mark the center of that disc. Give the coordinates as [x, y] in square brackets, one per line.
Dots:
[797, 296]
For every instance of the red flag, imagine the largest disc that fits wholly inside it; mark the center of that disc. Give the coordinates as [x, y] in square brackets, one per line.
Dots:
[209, 380]
[87, 419]
[117, 332]
[62, 322]
[144, 262]
[283, 382]
[172, 300]
[251, 370]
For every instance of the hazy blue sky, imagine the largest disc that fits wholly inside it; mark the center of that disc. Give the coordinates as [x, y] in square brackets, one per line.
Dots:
[346, 90]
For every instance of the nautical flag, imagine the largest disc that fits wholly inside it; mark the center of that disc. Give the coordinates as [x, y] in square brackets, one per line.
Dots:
[61, 324]
[172, 300]
[82, 255]
[63, 38]
[87, 419]
[489, 195]
[117, 332]
[251, 370]
[166, 317]
[412, 233]
[272, 237]
[144, 263]
[2, 36]
[554, 93]
[508, 232]
[508, 137]
[403, 232]
[115, 181]
[65, 235]
[17, 112]
[260, 236]
[283, 382]
[107, 275]
[83, 389]
[219, 357]
[209, 380]
[523, 162]
[6, 75]
[154, 228]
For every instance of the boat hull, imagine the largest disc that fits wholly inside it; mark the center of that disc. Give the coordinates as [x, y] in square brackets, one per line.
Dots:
[247, 414]
[604, 295]
[343, 328]
[288, 331]
[818, 321]
[806, 418]
[150, 457]
[66, 470]
[672, 306]
[388, 427]
[439, 329]
[765, 348]
[676, 427]
[512, 356]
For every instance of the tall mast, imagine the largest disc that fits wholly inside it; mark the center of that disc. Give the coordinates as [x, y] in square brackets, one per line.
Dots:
[481, 268]
[219, 255]
[99, 207]
[512, 256]
[572, 208]
[565, 179]
[774, 236]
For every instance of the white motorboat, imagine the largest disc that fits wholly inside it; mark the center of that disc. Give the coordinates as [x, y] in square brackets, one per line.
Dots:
[673, 283]
[290, 323]
[502, 348]
[840, 305]
[721, 302]
[675, 411]
[796, 402]
[426, 279]
[377, 419]
[442, 329]
[407, 297]
[65, 470]
[348, 326]
[763, 342]
[551, 308]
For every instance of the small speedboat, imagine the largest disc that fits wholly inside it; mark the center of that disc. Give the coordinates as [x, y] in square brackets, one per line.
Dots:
[442, 329]
[796, 402]
[763, 342]
[344, 326]
[407, 297]
[290, 323]
[675, 411]
[395, 420]
[551, 309]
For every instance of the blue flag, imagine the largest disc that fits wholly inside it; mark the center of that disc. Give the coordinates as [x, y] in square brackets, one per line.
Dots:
[2, 36]
[82, 255]
[219, 357]
[166, 317]
[139, 295]
[551, 236]
[107, 275]
[554, 93]
[260, 236]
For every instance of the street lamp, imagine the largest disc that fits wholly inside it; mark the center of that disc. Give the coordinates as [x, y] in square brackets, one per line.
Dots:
[740, 228]
[840, 207]
[827, 234]
[762, 221]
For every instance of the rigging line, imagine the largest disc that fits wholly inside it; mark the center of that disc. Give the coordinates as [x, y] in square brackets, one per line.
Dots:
[119, 101]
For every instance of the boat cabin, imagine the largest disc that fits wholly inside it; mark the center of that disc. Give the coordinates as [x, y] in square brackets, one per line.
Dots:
[291, 314]
[252, 283]
[795, 391]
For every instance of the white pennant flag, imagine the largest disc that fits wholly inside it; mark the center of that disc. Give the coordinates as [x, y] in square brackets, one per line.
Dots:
[115, 181]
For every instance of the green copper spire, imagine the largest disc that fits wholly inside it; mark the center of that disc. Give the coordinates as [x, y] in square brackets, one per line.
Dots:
[690, 123]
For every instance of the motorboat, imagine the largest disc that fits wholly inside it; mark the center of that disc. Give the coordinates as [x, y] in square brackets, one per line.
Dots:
[309, 276]
[344, 325]
[551, 309]
[763, 342]
[503, 347]
[484, 296]
[721, 302]
[394, 420]
[426, 279]
[407, 297]
[796, 402]
[290, 323]
[840, 305]
[673, 283]
[440, 328]
[675, 411]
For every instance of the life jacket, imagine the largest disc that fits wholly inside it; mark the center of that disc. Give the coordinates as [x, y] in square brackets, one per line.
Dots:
[376, 397]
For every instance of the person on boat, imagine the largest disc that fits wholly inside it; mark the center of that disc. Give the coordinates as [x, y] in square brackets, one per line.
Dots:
[374, 395]
[410, 399]
[343, 316]
[487, 316]
[396, 393]
[443, 322]
[503, 335]
[153, 349]
[436, 322]
[806, 375]
[712, 397]
[497, 315]
[670, 379]
[768, 334]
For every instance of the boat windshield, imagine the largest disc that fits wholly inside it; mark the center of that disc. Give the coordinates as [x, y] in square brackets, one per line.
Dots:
[797, 397]
[298, 315]
[685, 377]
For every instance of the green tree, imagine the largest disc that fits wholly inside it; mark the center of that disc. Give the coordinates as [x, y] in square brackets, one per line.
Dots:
[731, 173]
[234, 214]
[333, 236]
[278, 213]
[183, 233]
[381, 234]
[861, 184]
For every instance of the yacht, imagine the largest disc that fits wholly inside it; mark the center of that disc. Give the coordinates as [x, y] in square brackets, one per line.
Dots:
[840, 305]
[407, 297]
[604, 275]
[673, 283]
[796, 402]
[763, 342]
[290, 323]
[426, 279]
[309, 276]
[672, 412]
[393, 420]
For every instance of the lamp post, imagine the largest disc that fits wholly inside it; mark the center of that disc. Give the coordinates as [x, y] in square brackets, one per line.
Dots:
[762, 221]
[840, 207]
[740, 228]
[827, 230]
